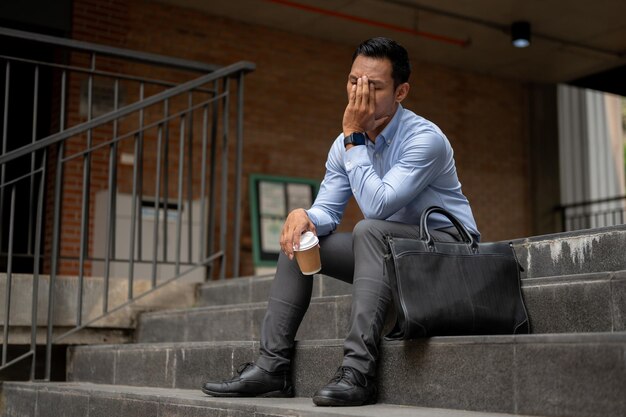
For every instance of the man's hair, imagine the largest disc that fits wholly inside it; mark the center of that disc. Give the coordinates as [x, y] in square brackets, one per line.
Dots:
[387, 48]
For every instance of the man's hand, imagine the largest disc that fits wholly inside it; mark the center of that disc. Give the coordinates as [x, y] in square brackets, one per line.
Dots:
[297, 223]
[359, 115]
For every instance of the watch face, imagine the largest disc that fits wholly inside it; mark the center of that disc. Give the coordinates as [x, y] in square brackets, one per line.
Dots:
[356, 138]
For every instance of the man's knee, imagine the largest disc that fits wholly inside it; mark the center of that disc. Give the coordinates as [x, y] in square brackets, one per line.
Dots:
[286, 265]
[369, 228]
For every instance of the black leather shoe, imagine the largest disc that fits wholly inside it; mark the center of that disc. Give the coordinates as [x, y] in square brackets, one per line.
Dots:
[348, 387]
[252, 381]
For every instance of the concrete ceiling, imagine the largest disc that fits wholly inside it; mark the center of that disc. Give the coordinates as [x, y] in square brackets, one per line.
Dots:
[570, 38]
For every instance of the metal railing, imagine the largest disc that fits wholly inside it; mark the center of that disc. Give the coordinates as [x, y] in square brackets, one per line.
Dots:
[140, 191]
[593, 213]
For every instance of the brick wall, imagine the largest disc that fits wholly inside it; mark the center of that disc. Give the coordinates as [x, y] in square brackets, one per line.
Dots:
[295, 99]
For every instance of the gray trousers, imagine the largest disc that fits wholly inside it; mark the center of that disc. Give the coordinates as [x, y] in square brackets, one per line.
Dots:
[355, 258]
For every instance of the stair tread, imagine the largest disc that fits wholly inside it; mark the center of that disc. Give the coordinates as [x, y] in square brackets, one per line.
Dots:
[525, 282]
[505, 374]
[237, 306]
[299, 406]
[559, 338]
[620, 274]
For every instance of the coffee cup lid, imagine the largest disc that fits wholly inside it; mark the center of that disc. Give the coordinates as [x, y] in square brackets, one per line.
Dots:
[307, 241]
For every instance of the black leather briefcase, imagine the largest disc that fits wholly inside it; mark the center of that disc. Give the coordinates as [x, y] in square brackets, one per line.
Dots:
[460, 288]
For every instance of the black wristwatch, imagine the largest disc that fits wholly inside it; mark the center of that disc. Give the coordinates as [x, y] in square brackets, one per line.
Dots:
[356, 138]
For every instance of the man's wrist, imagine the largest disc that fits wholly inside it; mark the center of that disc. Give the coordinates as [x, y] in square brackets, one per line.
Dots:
[303, 210]
[355, 138]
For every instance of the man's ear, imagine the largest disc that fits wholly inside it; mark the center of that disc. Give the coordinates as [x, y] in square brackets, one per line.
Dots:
[402, 91]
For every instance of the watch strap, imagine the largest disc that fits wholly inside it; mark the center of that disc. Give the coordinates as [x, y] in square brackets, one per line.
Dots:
[355, 138]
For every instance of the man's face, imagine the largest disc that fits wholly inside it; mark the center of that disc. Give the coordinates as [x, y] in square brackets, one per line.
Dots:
[378, 72]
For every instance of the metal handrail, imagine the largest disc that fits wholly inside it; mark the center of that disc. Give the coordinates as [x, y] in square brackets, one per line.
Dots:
[106, 74]
[587, 214]
[244, 66]
[128, 54]
[590, 202]
[207, 96]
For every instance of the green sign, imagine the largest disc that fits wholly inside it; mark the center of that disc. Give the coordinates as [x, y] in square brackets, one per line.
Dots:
[272, 198]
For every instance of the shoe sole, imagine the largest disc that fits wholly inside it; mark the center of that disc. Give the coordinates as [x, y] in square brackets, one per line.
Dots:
[271, 394]
[334, 402]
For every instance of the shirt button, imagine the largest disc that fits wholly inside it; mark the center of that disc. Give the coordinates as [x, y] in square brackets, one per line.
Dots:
[377, 156]
[354, 190]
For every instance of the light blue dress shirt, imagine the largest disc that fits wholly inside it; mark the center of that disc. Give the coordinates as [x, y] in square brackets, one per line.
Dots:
[408, 169]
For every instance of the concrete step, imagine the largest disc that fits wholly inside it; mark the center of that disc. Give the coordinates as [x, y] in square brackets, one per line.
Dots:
[118, 327]
[561, 254]
[592, 302]
[326, 318]
[79, 400]
[256, 289]
[572, 253]
[550, 375]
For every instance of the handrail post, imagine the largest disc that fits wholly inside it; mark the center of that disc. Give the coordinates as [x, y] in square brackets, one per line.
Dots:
[58, 191]
[224, 208]
[238, 175]
[5, 120]
[190, 180]
[179, 201]
[7, 290]
[33, 160]
[212, 179]
[157, 189]
[35, 292]
[203, 232]
[166, 176]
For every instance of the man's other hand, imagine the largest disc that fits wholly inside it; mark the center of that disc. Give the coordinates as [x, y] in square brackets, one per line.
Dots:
[297, 223]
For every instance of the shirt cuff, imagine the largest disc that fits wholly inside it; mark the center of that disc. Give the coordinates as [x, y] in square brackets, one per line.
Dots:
[355, 157]
[314, 215]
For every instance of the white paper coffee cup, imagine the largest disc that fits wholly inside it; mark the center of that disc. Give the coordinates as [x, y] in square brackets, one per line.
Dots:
[308, 255]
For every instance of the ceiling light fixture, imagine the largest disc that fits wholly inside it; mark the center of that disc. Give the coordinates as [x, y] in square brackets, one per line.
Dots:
[505, 28]
[520, 34]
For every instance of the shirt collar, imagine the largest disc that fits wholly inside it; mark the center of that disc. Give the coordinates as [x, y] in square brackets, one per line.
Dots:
[390, 130]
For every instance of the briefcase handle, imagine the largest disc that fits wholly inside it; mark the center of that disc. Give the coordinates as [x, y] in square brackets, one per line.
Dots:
[425, 234]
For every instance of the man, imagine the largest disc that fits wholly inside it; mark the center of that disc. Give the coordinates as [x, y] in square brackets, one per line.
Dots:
[396, 164]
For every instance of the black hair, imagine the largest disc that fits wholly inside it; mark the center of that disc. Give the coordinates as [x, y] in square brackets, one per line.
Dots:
[387, 48]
